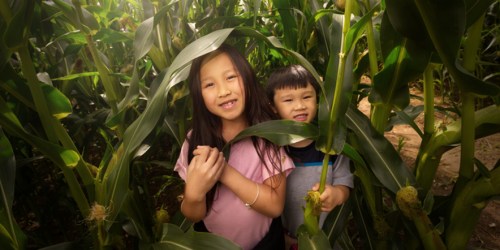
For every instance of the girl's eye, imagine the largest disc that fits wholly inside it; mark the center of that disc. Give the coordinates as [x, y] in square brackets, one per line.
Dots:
[231, 77]
[307, 97]
[207, 85]
[287, 100]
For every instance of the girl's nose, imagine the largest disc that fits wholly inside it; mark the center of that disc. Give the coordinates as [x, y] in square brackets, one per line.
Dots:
[224, 93]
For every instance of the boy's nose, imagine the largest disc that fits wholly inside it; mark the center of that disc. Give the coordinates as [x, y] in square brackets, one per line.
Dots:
[300, 106]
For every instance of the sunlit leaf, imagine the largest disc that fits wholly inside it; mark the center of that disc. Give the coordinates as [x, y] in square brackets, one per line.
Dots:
[59, 105]
[280, 132]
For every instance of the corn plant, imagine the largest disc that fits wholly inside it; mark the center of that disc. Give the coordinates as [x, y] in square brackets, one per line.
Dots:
[113, 72]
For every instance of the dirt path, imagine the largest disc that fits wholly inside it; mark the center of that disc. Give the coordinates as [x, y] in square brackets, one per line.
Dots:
[487, 232]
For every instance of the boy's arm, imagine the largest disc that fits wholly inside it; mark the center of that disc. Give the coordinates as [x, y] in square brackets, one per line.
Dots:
[332, 196]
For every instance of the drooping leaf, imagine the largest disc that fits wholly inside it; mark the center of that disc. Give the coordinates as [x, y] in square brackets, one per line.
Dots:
[445, 22]
[382, 158]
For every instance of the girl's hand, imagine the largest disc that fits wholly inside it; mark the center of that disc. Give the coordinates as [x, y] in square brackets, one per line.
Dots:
[332, 196]
[204, 171]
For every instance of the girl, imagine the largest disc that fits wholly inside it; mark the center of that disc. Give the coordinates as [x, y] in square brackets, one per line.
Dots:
[236, 198]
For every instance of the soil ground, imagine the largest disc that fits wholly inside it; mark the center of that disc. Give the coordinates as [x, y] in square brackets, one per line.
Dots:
[487, 232]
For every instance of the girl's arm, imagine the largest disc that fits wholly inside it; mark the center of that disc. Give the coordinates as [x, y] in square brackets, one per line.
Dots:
[269, 197]
[203, 172]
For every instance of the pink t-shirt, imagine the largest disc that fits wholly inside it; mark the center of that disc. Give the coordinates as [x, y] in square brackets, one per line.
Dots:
[228, 216]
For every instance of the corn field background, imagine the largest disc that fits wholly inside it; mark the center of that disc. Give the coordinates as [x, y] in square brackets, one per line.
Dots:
[94, 108]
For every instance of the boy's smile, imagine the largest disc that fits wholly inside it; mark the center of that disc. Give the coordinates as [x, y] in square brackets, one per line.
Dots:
[298, 104]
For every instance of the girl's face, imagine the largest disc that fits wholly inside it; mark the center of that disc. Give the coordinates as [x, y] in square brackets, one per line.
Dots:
[296, 104]
[222, 89]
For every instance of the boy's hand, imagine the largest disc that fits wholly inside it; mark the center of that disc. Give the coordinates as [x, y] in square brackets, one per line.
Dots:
[204, 171]
[332, 196]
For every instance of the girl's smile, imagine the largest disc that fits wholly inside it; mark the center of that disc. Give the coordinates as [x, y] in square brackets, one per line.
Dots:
[222, 89]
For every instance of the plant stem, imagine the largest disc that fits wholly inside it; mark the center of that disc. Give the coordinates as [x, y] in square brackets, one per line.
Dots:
[471, 47]
[429, 119]
[334, 114]
[372, 49]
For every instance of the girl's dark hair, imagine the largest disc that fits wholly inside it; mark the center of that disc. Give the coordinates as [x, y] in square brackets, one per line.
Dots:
[207, 127]
[292, 76]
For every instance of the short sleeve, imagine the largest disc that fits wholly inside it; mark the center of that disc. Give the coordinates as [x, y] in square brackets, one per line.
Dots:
[341, 172]
[287, 165]
[182, 162]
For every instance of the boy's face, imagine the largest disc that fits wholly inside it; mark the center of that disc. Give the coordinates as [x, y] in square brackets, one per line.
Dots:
[296, 104]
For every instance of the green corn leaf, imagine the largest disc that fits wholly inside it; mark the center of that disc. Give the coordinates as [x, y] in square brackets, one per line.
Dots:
[143, 38]
[317, 241]
[404, 61]
[467, 207]
[363, 220]
[289, 23]
[61, 156]
[59, 105]
[68, 10]
[487, 121]
[379, 153]
[336, 221]
[280, 132]
[445, 30]
[110, 36]
[174, 238]
[76, 37]
[17, 30]
[10, 233]
[356, 31]
[475, 9]
[75, 76]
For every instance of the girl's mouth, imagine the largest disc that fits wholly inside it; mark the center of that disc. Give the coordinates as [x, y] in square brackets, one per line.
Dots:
[229, 104]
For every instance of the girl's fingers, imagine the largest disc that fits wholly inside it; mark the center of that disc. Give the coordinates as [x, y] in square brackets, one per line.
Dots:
[219, 165]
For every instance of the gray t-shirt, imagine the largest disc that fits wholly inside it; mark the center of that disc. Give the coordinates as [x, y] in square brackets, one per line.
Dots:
[308, 165]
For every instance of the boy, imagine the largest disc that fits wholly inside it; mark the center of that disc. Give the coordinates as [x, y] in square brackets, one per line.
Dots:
[292, 91]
